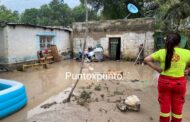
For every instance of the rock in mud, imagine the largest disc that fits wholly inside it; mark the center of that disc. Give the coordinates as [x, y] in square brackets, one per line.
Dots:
[102, 96]
[151, 118]
[103, 110]
[133, 103]
[122, 107]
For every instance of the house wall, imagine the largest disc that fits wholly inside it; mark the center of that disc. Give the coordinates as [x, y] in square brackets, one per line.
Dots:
[24, 42]
[3, 46]
[132, 33]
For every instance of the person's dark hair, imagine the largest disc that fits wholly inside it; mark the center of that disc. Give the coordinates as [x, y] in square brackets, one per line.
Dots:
[172, 40]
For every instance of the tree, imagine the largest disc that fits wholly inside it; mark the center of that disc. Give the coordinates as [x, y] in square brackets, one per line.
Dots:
[30, 16]
[45, 14]
[62, 14]
[8, 15]
[53, 14]
[114, 9]
[170, 13]
[57, 13]
[80, 11]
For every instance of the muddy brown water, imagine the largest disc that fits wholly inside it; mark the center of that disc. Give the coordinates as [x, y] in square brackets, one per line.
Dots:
[44, 83]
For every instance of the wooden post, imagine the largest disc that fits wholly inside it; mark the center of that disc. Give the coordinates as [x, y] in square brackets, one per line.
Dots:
[83, 56]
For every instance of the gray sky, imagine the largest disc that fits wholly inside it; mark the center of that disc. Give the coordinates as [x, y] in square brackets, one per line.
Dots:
[21, 5]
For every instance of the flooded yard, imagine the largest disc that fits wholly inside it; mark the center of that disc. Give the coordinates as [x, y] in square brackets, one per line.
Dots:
[41, 84]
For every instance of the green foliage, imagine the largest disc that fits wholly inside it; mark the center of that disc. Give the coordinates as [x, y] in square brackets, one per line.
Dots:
[79, 14]
[8, 15]
[167, 13]
[52, 14]
[170, 13]
[30, 16]
[57, 14]
[114, 9]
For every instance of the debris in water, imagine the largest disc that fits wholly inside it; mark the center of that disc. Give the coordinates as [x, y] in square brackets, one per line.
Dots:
[135, 80]
[81, 102]
[89, 86]
[103, 110]
[91, 68]
[48, 105]
[84, 98]
[122, 107]
[151, 118]
[102, 96]
[140, 90]
[107, 89]
[115, 72]
[97, 87]
[85, 95]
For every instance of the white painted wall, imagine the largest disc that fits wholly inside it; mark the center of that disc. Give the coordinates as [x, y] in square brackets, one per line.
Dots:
[63, 41]
[23, 42]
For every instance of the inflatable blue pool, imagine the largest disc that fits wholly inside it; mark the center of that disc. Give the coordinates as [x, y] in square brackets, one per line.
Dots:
[12, 97]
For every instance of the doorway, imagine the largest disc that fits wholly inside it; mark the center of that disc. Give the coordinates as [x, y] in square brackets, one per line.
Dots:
[115, 48]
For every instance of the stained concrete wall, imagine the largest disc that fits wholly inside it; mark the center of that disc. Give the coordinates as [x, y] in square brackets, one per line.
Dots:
[132, 32]
[3, 46]
[23, 42]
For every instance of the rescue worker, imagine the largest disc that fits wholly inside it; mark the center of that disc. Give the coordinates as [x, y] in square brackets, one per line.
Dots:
[171, 82]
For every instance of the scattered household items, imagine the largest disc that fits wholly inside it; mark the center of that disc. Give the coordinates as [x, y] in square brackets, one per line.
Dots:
[12, 97]
[115, 72]
[131, 103]
[55, 54]
[79, 56]
[98, 51]
[45, 57]
[48, 56]
[91, 68]
[3, 68]
[35, 64]
[91, 54]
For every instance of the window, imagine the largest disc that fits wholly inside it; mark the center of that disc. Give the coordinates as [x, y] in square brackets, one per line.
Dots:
[45, 42]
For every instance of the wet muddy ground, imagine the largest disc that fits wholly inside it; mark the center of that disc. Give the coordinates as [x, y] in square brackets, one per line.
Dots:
[41, 84]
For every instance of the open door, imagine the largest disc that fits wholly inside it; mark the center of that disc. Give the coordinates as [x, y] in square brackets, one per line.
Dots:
[115, 48]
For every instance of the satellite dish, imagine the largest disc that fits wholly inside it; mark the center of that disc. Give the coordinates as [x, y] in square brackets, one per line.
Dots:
[132, 8]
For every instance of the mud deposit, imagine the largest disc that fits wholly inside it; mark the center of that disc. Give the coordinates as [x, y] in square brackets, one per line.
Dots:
[93, 101]
[96, 102]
